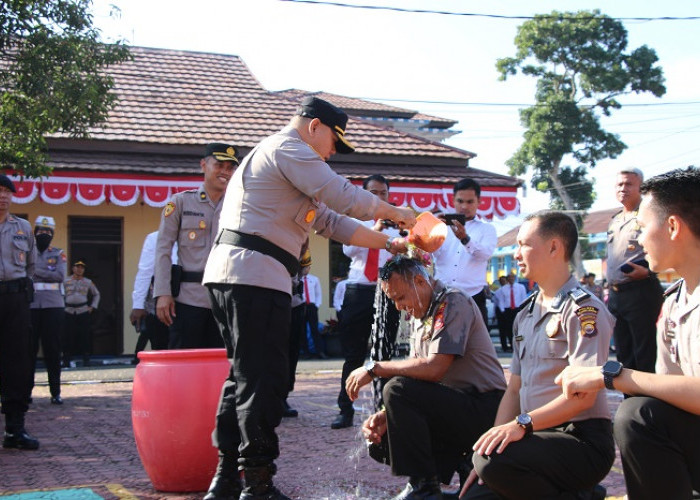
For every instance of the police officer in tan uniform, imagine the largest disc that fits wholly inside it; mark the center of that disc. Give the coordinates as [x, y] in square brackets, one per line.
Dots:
[658, 430]
[544, 445]
[17, 258]
[82, 298]
[191, 219]
[283, 190]
[48, 307]
[635, 293]
[438, 402]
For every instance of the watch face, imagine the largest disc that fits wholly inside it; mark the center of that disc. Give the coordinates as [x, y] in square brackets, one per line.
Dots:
[524, 419]
[612, 368]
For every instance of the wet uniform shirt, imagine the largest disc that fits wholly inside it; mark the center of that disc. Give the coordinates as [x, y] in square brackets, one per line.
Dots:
[623, 245]
[17, 249]
[191, 219]
[49, 273]
[78, 291]
[281, 192]
[450, 327]
[678, 333]
[574, 330]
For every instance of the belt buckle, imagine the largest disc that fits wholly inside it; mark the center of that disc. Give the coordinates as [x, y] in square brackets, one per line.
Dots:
[616, 288]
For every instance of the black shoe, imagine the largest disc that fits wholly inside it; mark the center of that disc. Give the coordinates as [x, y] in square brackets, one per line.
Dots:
[289, 411]
[597, 493]
[56, 400]
[421, 489]
[224, 488]
[342, 420]
[258, 484]
[20, 440]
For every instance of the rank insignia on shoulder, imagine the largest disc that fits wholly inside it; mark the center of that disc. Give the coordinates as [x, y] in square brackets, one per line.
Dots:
[588, 315]
[578, 294]
[169, 208]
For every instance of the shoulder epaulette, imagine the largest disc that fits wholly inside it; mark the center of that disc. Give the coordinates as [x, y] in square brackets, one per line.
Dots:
[529, 302]
[676, 287]
[578, 294]
[616, 214]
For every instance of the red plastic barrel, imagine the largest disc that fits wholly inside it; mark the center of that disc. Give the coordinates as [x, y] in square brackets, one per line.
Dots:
[173, 413]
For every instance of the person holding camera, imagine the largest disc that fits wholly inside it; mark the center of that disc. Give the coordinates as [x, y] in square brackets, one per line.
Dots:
[461, 261]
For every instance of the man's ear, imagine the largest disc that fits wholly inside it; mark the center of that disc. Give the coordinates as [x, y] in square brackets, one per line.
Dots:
[675, 226]
[313, 126]
[203, 164]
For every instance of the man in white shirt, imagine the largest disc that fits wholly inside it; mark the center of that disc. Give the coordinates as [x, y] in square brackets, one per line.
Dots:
[510, 296]
[143, 312]
[461, 261]
[313, 298]
[358, 304]
[339, 296]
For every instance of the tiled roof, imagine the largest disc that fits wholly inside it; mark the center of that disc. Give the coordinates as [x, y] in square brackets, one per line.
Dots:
[177, 97]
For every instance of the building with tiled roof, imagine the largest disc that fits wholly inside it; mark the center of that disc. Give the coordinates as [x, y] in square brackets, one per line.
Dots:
[106, 191]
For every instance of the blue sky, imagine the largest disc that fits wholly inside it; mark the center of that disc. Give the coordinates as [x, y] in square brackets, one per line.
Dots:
[386, 55]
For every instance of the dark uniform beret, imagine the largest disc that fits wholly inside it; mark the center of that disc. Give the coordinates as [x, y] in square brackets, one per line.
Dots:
[6, 182]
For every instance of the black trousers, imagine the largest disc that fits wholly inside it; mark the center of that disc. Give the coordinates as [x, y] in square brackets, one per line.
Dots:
[431, 426]
[154, 331]
[636, 308]
[194, 328]
[47, 329]
[660, 448]
[546, 465]
[254, 323]
[297, 330]
[505, 327]
[15, 354]
[355, 329]
[480, 299]
[77, 338]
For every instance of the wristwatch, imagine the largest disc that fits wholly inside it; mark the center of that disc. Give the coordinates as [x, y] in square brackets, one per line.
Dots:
[610, 370]
[524, 420]
[465, 240]
[369, 366]
[388, 243]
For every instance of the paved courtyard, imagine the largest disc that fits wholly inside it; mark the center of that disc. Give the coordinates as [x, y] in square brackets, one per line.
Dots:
[88, 451]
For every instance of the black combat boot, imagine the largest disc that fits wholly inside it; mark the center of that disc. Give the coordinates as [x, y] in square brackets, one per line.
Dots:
[226, 484]
[15, 434]
[421, 488]
[258, 484]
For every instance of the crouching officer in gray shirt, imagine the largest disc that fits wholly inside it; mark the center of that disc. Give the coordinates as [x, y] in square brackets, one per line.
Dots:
[438, 402]
[283, 190]
[48, 305]
[191, 218]
[17, 257]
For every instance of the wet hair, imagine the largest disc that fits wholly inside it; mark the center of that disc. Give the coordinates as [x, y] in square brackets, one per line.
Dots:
[677, 193]
[375, 177]
[557, 224]
[468, 183]
[406, 267]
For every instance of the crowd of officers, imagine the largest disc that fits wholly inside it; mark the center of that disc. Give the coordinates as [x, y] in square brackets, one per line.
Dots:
[222, 265]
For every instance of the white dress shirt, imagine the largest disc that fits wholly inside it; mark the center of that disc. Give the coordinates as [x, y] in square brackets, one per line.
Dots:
[339, 295]
[464, 266]
[147, 261]
[358, 256]
[519, 294]
[312, 286]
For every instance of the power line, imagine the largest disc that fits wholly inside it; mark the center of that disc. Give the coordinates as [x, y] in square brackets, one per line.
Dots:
[506, 104]
[473, 14]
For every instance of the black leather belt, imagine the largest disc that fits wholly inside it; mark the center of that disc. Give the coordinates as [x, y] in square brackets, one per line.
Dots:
[259, 244]
[13, 286]
[79, 304]
[360, 286]
[192, 276]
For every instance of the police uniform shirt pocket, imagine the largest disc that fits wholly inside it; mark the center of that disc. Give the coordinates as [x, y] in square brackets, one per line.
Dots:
[20, 248]
[192, 233]
[307, 214]
[556, 348]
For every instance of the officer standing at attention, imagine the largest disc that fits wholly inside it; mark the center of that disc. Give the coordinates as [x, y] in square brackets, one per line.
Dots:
[635, 293]
[82, 298]
[658, 430]
[283, 190]
[17, 258]
[544, 445]
[191, 218]
[48, 307]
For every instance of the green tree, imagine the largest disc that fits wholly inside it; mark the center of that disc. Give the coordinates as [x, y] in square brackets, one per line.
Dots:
[582, 69]
[52, 77]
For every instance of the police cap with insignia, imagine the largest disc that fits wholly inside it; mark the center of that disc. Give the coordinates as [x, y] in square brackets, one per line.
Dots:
[45, 222]
[6, 182]
[221, 151]
[79, 263]
[330, 115]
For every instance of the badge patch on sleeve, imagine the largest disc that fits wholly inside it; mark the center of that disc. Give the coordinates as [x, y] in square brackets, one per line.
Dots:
[169, 208]
[587, 315]
[440, 318]
[310, 215]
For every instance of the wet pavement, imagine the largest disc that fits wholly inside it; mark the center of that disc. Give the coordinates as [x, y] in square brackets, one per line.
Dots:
[88, 450]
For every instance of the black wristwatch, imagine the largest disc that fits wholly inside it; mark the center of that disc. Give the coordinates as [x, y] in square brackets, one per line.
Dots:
[524, 420]
[465, 241]
[610, 370]
[369, 366]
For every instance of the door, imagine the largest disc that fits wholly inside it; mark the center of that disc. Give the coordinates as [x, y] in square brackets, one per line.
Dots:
[98, 242]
